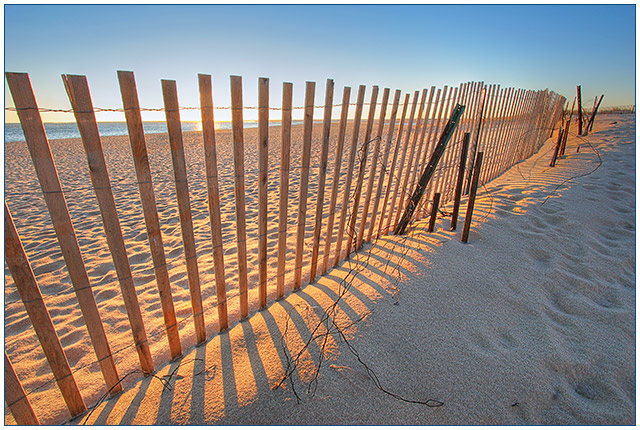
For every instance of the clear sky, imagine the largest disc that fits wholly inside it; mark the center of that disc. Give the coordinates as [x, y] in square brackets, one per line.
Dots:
[407, 47]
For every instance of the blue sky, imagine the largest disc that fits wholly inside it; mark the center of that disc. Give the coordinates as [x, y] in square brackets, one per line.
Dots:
[407, 47]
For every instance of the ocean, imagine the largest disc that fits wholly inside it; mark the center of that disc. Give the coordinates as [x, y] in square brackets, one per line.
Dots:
[69, 130]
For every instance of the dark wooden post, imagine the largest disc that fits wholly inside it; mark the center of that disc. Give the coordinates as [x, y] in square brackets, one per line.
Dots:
[557, 149]
[434, 212]
[458, 191]
[593, 115]
[579, 111]
[472, 197]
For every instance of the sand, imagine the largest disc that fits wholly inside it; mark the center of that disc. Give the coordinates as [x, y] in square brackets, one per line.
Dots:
[531, 322]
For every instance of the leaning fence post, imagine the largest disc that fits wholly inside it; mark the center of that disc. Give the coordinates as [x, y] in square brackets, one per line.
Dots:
[43, 163]
[472, 197]
[78, 91]
[458, 191]
[16, 398]
[152, 222]
[579, 111]
[29, 291]
[174, 128]
[428, 171]
[213, 195]
[556, 150]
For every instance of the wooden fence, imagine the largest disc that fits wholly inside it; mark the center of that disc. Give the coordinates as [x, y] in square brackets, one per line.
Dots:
[376, 163]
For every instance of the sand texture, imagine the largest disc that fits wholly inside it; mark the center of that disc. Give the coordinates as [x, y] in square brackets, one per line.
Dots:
[531, 322]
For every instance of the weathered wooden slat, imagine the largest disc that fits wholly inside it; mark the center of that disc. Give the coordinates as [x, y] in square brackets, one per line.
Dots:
[322, 175]
[213, 195]
[174, 127]
[38, 145]
[310, 92]
[336, 177]
[15, 397]
[239, 191]
[349, 177]
[80, 98]
[152, 223]
[285, 156]
[263, 171]
[31, 297]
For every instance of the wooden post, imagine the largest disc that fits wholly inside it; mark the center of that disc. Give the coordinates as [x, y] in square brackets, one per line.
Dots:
[263, 170]
[351, 229]
[434, 212]
[458, 191]
[472, 197]
[16, 398]
[595, 111]
[238, 168]
[172, 112]
[32, 299]
[474, 146]
[385, 158]
[447, 132]
[347, 187]
[285, 155]
[309, 98]
[372, 172]
[557, 150]
[336, 177]
[213, 195]
[384, 209]
[38, 145]
[322, 175]
[145, 186]
[579, 111]
[80, 98]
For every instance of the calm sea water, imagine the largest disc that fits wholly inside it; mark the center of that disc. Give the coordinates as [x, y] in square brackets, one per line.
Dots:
[13, 132]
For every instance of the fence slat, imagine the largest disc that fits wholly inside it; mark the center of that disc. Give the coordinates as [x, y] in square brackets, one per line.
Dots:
[80, 98]
[310, 92]
[322, 175]
[349, 177]
[16, 398]
[372, 170]
[421, 146]
[174, 127]
[213, 195]
[38, 145]
[429, 145]
[383, 164]
[263, 170]
[364, 152]
[239, 191]
[285, 155]
[336, 177]
[29, 291]
[145, 186]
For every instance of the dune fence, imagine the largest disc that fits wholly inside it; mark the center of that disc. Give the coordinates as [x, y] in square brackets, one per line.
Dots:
[278, 207]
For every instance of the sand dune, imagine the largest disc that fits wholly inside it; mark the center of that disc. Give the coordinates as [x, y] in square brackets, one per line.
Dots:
[531, 322]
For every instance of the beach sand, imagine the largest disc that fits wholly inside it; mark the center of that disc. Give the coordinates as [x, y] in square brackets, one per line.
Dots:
[531, 322]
